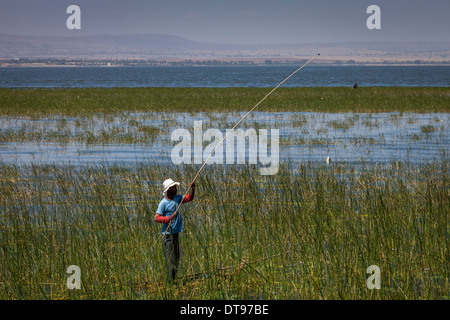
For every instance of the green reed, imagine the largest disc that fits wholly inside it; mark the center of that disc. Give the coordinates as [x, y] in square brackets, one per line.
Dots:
[308, 232]
[94, 101]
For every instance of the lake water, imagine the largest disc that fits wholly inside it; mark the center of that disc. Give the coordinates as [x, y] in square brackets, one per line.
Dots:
[353, 138]
[224, 76]
[303, 136]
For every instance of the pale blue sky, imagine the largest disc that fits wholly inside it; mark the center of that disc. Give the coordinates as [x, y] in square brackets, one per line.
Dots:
[235, 21]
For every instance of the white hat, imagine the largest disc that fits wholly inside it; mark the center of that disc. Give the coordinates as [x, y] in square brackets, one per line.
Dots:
[167, 184]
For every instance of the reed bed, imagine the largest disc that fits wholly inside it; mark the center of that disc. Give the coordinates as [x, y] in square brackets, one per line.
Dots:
[308, 232]
[94, 101]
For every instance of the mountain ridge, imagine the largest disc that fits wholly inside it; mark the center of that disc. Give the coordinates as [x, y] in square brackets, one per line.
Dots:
[158, 46]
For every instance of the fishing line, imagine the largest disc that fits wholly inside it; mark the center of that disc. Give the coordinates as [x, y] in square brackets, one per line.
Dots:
[232, 130]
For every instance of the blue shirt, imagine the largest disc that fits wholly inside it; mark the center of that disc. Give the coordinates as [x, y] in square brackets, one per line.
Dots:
[166, 208]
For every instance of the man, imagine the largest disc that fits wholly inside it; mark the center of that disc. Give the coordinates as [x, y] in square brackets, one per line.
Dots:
[172, 224]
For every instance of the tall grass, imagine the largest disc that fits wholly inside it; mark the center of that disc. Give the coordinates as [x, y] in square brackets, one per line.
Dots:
[92, 101]
[309, 232]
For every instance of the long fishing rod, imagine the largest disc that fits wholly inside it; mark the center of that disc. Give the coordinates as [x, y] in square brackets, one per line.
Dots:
[232, 129]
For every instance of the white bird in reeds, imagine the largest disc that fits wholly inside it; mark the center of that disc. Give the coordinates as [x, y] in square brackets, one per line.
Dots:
[328, 160]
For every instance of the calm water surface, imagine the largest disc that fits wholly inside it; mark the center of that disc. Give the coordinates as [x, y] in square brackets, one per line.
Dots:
[224, 76]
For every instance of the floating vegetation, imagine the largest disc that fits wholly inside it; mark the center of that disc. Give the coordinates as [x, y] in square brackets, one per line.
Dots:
[428, 128]
[132, 137]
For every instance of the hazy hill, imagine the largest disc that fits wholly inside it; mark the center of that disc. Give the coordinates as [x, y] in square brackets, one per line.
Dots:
[159, 46]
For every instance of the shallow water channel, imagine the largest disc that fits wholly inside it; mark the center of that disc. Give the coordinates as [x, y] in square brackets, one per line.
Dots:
[130, 138]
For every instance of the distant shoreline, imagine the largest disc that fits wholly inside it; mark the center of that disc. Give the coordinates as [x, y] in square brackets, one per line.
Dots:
[205, 60]
[51, 63]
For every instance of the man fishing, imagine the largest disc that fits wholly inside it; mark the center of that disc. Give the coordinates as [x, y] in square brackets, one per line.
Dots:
[170, 217]
[168, 207]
